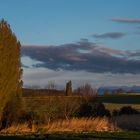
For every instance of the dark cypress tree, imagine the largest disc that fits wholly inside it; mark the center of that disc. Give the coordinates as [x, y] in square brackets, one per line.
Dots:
[69, 88]
[10, 74]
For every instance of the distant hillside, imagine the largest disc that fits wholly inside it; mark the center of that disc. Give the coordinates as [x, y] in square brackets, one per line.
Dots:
[124, 89]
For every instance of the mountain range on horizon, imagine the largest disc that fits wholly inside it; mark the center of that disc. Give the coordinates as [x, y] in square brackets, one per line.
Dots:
[124, 89]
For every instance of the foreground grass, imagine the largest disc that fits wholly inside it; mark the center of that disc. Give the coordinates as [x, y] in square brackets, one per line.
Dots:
[79, 136]
[79, 125]
[29, 137]
[67, 125]
[95, 136]
[78, 129]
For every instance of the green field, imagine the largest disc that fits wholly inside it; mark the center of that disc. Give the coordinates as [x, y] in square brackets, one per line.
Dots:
[80, 136]
[120, 99]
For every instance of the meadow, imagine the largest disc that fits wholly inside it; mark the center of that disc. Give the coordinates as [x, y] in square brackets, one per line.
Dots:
[111, 102]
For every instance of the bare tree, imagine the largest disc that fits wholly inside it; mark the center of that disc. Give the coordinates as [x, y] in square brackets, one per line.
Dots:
[86, 90]
[51, 85]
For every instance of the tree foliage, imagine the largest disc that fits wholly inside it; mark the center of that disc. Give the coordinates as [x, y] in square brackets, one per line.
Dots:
[10, 71]
[69, 88]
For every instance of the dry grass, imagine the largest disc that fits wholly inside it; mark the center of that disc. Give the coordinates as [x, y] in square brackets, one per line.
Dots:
[127, 122]
[80, 125]
[119, 123]
[71, 125]
[16, 129]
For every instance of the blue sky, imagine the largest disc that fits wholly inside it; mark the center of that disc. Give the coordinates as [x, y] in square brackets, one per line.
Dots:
[79, 40]
[56, 22]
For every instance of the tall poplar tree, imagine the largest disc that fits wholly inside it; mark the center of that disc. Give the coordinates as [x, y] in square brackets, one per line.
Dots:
[10, 73]
[69, 88]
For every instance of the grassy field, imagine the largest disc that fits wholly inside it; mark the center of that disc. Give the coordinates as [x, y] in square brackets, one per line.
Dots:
[111, 101]
[79, 136]
[112, 106]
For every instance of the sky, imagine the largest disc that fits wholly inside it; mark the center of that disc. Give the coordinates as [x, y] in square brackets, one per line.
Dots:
[79, 40]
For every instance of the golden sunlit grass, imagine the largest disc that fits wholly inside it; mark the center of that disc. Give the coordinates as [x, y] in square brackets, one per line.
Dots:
[119, 123]
[71, 125]
[80, 125]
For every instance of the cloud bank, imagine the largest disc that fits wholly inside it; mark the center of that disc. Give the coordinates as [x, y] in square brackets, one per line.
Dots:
[84, 55]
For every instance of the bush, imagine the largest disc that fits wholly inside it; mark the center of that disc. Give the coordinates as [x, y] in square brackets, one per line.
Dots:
[99, 109]
[85, 110]
[128, 110]
[115, 112]
[93, 110]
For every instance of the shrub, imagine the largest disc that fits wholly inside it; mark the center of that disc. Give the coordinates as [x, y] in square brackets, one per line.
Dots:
[128, 110]
[115, 112]
[93, 110]
[99, 109]
[85, 110]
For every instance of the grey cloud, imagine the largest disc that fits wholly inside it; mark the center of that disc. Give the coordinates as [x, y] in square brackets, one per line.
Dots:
[126, 20]
[86, 56]
[112, 35]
